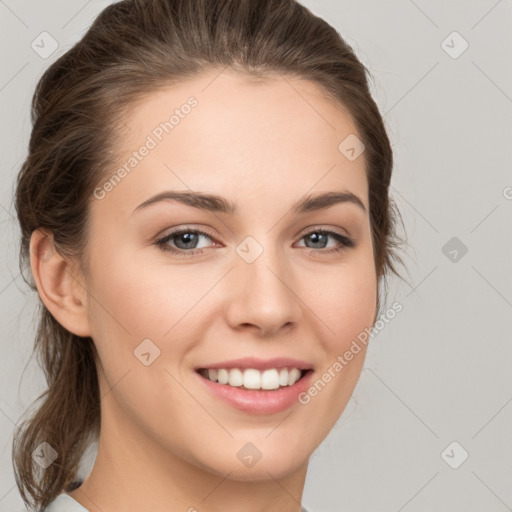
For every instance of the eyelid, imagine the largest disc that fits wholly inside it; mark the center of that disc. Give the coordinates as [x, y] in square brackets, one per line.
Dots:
[184, 229]
[324, 228]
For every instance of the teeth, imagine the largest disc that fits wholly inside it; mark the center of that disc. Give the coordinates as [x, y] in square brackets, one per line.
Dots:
[270, 379]
[236, 377]
[251, 378]
[293, 376]
[223, 376]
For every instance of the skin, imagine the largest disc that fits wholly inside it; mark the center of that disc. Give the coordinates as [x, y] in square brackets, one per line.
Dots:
[166, 443]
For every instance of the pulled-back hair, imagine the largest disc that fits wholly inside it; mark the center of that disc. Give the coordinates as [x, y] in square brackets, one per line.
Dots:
[133, 48]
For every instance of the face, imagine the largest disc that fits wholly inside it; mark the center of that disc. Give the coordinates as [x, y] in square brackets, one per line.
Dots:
[256, 286]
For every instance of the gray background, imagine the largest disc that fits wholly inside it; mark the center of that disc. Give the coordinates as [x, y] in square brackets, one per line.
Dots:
[441, 370]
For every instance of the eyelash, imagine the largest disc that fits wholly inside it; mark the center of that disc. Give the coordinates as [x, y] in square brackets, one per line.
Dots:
[346, 242]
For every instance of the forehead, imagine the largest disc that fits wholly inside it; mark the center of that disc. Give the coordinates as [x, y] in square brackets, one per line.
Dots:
[228, 133]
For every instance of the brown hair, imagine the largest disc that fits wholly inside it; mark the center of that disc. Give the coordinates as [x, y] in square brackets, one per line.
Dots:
[132, 48]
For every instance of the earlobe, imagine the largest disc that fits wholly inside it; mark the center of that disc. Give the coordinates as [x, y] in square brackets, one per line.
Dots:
[58, 284]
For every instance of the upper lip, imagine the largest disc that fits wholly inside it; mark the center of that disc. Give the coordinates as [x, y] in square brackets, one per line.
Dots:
[259, 364]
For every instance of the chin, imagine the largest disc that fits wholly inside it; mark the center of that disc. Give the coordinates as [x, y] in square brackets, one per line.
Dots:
[256, 461]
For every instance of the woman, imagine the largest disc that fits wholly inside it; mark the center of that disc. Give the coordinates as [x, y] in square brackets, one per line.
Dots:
[204, 210]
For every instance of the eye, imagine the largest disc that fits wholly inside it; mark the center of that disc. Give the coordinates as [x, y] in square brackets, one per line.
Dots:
[320, 238]
[187, 241]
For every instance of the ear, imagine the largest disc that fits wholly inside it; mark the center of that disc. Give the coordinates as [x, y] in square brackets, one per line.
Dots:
[58, 284]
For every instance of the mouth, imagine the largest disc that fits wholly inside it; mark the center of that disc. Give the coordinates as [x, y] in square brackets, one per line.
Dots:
[253, 379]
[256, 391]
[256, 386]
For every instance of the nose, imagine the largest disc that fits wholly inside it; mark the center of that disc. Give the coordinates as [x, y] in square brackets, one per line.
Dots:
[263, 295]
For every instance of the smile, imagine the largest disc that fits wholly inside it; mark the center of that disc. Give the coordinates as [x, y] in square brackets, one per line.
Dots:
[251, 378]
[256, 386]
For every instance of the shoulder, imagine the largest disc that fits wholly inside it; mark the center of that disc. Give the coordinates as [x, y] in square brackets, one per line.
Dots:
[64, 503]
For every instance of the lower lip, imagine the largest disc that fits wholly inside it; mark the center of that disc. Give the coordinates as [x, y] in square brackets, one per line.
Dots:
[258, 401]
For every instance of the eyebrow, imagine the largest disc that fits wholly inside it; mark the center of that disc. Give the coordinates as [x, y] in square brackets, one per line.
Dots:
[215, 203]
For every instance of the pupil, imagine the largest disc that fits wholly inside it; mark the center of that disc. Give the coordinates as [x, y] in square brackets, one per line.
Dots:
[187, 238]
[316, 237]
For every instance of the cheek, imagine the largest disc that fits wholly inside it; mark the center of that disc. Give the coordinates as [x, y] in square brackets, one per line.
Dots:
[134, 297]
[127, 307]
[132, 309]
[344, 300]
[345, 308]
[135, 302]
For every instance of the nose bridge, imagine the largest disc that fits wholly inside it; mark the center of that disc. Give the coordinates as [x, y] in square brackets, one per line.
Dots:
[263, 286]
